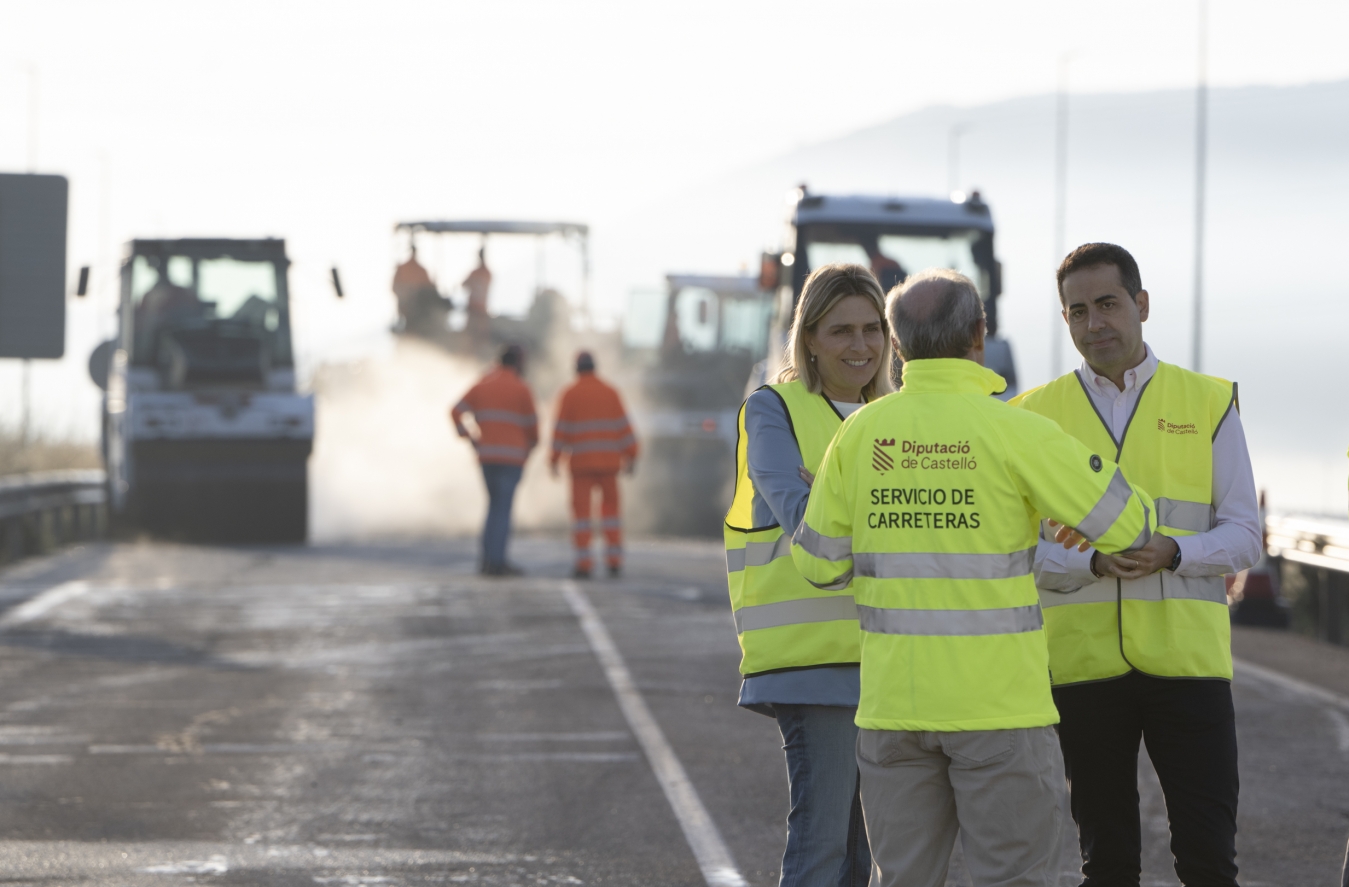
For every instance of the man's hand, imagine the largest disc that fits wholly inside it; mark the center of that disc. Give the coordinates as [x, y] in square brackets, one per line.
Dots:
[1136, 563]
[1069, 537]
[805, 475]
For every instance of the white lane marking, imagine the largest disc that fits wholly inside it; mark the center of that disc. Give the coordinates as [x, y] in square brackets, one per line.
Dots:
[714, 858]
[215, 865]
[1302, 689]
[1336, 706]
[1340, 722]
[38, 606]
[603, 736]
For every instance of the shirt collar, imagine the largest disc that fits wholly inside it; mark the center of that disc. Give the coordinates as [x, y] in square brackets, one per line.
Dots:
[951, 375]
[1134, 379]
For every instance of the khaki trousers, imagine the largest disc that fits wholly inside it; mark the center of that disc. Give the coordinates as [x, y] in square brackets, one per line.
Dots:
[1002, 791]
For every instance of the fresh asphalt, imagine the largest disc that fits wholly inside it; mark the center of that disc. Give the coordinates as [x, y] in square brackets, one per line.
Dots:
[379, 714]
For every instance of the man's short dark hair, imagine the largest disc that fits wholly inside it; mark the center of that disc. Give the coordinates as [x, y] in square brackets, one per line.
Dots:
[513, 356]
[1091, 255]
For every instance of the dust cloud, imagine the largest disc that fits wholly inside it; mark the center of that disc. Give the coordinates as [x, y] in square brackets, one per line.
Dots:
[388, 464]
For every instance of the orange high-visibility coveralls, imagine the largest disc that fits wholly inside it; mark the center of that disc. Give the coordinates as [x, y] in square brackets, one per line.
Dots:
[593, 430]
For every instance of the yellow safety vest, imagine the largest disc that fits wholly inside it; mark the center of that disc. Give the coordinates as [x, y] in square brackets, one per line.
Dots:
[926, 507]
[1164, 625]
[782, 620]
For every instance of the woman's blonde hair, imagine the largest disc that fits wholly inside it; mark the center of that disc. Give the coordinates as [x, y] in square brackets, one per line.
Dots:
[826, 287]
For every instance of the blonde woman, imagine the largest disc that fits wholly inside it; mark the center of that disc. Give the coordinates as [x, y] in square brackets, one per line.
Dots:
[800, 644]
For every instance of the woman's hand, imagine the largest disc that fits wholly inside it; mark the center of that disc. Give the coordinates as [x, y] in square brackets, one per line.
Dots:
[1069, 537]
[805, 475]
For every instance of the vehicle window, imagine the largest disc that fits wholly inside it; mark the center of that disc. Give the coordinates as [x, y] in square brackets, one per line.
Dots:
[824, 252]
[143, 277]
[644, 321]
[918, 253]
[180, 271]
[183, 297]
[696, 311]
[233, 287]
[745, 325]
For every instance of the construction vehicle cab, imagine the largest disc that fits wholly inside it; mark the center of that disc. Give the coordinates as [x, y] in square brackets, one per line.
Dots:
[203, 430]
[894, 237]
[697, 343]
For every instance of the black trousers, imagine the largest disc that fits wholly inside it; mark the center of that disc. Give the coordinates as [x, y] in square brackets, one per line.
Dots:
[1190, 731]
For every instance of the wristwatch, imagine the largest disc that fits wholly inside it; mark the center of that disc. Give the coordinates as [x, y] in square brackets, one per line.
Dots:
[1175, 561]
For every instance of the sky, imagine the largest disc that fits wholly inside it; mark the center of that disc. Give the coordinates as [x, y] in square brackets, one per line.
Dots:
[325, 123]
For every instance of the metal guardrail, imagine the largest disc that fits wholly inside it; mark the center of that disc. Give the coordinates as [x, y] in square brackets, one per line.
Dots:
[1310, 556]
[44, 509]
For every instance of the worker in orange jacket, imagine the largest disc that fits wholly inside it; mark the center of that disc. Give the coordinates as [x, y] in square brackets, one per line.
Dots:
[508, 428]
[593, 430]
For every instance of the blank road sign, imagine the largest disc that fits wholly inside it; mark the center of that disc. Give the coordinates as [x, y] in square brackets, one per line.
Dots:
[33, 265]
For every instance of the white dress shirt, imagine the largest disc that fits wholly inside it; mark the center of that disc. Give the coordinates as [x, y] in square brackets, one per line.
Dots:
[1234, 542]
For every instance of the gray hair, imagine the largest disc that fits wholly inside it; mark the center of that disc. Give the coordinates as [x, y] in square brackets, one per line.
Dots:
[948, 330]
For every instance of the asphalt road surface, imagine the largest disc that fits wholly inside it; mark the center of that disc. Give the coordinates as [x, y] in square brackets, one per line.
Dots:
[378, 714]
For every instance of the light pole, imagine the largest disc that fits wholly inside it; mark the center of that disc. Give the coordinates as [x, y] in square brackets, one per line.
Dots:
[953, 156]
[1200, 176]
[26, 416]
[1060, 208]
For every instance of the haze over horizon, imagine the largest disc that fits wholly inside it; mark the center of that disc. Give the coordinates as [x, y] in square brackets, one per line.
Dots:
[676, 135]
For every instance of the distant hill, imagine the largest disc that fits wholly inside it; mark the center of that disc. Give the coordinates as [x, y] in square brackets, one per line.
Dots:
[1278, 218]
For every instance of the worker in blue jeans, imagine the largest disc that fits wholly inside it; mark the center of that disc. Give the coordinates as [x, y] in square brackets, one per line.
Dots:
[501, 481]
[508, 429]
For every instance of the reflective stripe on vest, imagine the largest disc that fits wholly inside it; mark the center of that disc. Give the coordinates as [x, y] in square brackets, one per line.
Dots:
[757, 554]
[951, 623]
[781, 619]
[932, 565]
[798, 612]
[1167, 449]
[831, 548]
[1197, 517]
[1157, 587]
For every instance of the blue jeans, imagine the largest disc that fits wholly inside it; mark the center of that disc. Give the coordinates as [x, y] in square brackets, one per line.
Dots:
[496, 532]
[826, 838]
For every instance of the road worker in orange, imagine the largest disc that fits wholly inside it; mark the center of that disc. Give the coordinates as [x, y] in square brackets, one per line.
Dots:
[508, 428]
[593, 430]
[478, 284]
[410, 281]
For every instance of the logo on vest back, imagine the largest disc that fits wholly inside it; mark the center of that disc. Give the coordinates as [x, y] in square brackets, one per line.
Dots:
[1173, 428]
[880, 459]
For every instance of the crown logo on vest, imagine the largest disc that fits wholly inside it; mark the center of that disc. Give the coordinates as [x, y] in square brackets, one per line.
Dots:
[880, 459]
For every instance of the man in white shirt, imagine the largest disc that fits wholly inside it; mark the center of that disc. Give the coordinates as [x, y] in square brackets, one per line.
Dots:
[1140, 641]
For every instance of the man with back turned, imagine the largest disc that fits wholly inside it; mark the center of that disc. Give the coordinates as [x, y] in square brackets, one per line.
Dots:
[1140, 642]
[924, 509]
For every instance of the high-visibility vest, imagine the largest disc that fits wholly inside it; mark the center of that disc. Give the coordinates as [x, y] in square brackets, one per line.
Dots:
[783, 621]
[925, 506]
[1164, 625]
[504, 410]
[592, 427]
